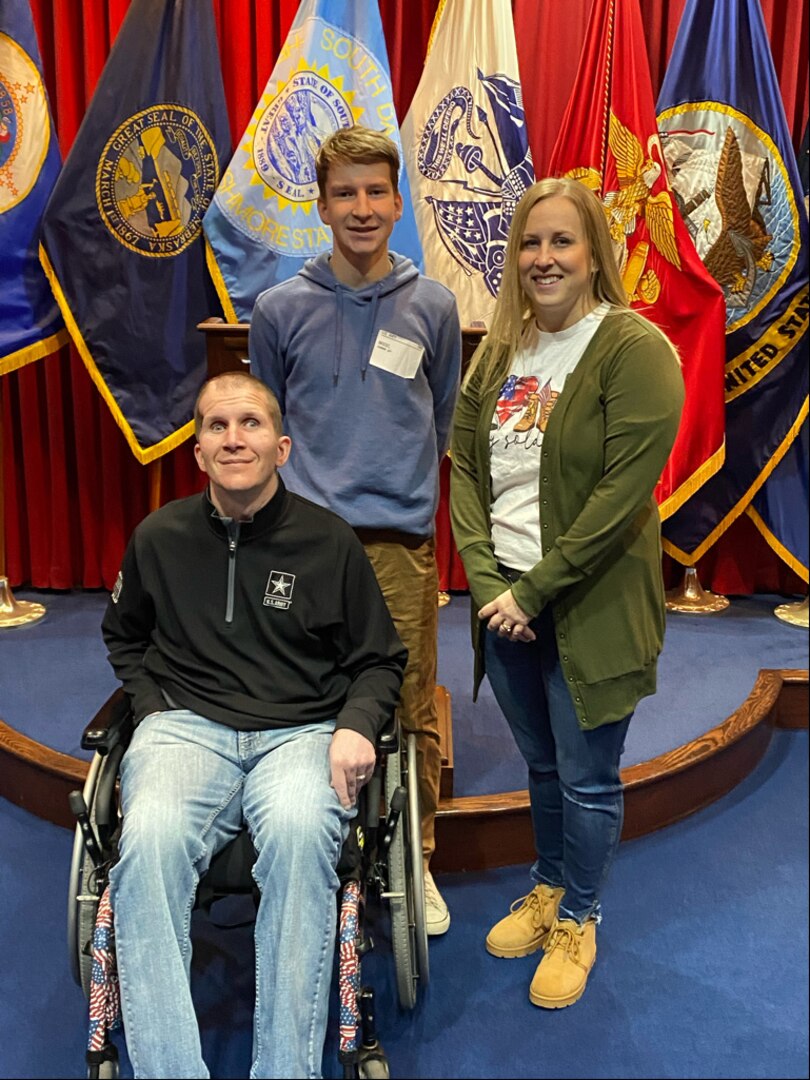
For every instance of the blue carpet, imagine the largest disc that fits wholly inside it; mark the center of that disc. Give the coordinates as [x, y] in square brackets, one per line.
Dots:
[707, 669]
[702, 967]
[54, 675]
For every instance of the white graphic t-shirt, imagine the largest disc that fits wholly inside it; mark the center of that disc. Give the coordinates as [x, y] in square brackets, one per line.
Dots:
[524, 405]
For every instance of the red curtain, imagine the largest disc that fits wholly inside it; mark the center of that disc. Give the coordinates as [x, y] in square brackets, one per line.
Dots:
[73, 491]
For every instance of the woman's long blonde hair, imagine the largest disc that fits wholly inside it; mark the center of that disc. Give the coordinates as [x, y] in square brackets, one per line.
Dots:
[494, 356]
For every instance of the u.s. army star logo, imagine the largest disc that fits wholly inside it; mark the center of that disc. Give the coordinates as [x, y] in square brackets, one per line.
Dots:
[279, 589]
[155, 179]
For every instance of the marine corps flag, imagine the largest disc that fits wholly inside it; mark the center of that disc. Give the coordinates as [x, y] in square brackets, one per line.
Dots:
[734, 174]
[263, 224]
[609, 141]
[122, 234]
[467, 150]
[30, 323]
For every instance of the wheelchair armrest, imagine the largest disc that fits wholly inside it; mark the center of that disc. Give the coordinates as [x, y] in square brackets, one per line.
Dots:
[111, 725]
[388, 738]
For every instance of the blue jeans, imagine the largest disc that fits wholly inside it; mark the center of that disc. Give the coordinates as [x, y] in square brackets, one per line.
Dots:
[575, 789]
[187, 785]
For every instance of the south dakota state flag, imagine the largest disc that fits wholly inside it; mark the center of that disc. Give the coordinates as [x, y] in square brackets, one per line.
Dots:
[122, 234]
[30, 323]
[468, 150]
[263, 224]
[609, 140]
[734, 174]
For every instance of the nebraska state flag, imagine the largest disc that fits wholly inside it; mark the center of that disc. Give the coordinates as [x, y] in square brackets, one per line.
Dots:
[609, 140]
[122, 239]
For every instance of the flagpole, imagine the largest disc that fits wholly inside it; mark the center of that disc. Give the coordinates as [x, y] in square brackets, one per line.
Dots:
[155, 480]
[12, 612]
[691, 598]
[795, 614]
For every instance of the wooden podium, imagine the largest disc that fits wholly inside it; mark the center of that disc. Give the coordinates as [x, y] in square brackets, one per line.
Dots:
[227, 345]
[227, 350]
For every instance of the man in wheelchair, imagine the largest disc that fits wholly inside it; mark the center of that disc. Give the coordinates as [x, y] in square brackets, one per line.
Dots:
[260, 661]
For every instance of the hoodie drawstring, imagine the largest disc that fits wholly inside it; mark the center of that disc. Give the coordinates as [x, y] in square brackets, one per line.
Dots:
[366, 353]
[338, 336]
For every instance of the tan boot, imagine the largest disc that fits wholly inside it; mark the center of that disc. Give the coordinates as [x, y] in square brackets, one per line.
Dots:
[530, 415]
[526, 927]
[563, 972]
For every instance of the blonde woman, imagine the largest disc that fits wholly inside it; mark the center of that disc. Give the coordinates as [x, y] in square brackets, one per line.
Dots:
[564, 424]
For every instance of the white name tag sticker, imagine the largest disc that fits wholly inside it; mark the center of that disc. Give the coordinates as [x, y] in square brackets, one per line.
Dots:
[396, 354]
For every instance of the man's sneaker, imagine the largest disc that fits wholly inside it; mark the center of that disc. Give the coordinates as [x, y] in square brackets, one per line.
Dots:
[525, 929]
[563, 972]
[437, 917]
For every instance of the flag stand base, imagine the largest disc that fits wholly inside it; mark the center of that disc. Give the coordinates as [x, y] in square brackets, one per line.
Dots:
[16, 612]
[690, 597]
[795, 614]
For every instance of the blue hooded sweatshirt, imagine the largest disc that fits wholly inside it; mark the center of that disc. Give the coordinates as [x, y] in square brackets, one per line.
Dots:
[367, 442]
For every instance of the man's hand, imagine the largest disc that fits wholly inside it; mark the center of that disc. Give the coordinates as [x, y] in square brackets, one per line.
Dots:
[351, 758]
[507, 619]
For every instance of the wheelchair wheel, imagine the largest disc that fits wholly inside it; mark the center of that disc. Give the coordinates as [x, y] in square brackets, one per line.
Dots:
[417, 865]
[406, 892]
[82, 895]
[86, 882]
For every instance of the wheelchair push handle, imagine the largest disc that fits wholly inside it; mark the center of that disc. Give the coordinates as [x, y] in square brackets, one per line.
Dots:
[79, 810]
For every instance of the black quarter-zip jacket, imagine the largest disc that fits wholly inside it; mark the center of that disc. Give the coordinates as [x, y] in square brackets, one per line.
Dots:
[270, 623]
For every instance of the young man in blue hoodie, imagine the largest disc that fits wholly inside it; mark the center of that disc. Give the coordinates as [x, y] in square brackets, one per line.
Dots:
[364, 356]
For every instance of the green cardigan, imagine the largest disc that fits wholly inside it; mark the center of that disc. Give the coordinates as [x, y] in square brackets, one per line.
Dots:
[606, 444]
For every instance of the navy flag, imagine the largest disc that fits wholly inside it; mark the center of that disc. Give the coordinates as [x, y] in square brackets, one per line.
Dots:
[122, 236]
[734, 176]
[780, 507]
[30, 323]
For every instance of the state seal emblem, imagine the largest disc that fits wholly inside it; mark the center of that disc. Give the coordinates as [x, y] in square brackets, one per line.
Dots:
[25, 129]
[735, 195]
[291, 130]
[155, 179]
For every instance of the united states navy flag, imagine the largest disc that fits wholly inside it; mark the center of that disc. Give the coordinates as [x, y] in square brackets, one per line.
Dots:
[779, 508]
[122, 234]
[30, 323]
[262, 226]
[734, 175]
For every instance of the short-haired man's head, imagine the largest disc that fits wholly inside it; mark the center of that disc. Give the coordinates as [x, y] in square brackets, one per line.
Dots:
[235, 379]
[356, 145]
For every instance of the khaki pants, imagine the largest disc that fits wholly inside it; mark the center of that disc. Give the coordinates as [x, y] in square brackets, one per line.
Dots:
[409, 581]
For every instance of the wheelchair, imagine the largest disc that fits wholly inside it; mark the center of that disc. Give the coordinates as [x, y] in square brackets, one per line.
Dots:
[380, 867]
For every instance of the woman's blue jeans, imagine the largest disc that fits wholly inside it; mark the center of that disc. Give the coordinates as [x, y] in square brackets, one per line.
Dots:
[187, 784]
[575, 789]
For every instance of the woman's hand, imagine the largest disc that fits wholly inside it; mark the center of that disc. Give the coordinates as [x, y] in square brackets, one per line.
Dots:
[507, 619]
